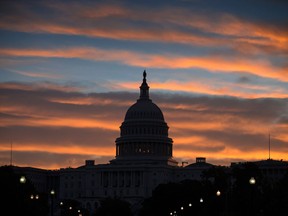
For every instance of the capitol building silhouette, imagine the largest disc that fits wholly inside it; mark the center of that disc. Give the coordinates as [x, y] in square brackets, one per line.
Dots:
[143, 161]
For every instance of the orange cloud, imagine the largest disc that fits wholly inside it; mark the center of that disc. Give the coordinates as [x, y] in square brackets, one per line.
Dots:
[243, 31]
[37, 75]
[260, 68]
[89, 101]
[72, 149]
[138, 34]
[37, 86]
[207, 88]
[62, 122]
[188, 140]
[219, 128]
[200, 147]
[92, 20]
[227, 156]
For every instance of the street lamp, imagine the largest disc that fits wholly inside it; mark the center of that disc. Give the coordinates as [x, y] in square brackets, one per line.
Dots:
[252, 182]
[218, 194]
[22, 191]
[52, 193]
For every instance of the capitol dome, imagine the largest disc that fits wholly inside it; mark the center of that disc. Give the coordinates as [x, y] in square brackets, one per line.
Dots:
[144, 109]
[144, 132]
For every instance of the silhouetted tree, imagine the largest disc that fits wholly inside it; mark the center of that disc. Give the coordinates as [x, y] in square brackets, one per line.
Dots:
[246, 198]
[71, 207]
[170, 197]
[16, 197]
[114, 207]
[276, 197]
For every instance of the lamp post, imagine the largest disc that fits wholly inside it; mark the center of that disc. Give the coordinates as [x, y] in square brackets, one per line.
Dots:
[252, 182]
[52, 194]
[189, 209]
[201, 206]
[22, 181]
[218, 194]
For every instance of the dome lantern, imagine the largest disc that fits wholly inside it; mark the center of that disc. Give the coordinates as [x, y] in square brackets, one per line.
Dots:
[144, 88]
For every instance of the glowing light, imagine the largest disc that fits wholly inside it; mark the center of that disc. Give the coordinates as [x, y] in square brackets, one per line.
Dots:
[252, 181]
[22, 179]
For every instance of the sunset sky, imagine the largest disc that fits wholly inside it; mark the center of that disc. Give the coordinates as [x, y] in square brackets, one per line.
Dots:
[69, 70]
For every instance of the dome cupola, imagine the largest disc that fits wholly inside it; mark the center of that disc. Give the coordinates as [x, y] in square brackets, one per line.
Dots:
[144, 108]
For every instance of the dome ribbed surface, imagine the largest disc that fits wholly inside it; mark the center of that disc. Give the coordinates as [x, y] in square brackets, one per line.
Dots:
[144, 109]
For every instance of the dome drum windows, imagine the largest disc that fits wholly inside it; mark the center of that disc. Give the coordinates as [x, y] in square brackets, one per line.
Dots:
[143, 129]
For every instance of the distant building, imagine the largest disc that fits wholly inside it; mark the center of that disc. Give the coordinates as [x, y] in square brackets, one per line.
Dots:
[43, 180]
[271, 170]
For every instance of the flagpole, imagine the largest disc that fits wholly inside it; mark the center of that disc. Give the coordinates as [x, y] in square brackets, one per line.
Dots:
[269, 146]
[11, 154]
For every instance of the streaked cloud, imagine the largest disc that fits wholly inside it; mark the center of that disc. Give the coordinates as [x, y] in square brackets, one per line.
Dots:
[242, 91]
[211, 63]
[161, 23]
[37, 86]
[38, 74]
[208, 126]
